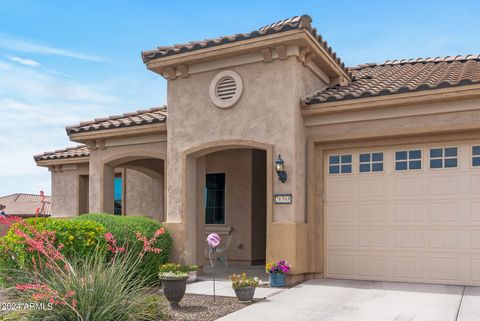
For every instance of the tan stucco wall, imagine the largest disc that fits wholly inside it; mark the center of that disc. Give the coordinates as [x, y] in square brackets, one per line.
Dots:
[267, 113]
[143, 195]
[64, 193]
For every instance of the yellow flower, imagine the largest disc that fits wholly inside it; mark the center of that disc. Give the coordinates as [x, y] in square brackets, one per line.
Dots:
[71, 237]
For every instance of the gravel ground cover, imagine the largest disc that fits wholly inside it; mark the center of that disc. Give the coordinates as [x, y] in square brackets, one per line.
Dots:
[195, 307]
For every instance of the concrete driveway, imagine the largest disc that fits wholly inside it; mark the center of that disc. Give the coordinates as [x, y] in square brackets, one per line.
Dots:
[346, 300]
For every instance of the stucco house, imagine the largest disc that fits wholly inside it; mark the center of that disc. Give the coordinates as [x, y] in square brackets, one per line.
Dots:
[381, 162]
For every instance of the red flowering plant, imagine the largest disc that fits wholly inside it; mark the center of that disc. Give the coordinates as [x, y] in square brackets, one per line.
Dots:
[84, 287]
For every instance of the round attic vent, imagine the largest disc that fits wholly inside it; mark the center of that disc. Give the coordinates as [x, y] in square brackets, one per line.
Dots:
[226, 89]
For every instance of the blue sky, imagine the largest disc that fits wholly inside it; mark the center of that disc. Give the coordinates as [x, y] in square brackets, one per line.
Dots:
[66, 61]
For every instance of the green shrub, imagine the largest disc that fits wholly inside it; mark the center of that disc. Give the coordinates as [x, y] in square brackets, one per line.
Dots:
[124, 229]
[78, 238]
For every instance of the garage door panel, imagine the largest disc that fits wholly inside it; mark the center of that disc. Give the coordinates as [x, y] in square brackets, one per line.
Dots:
[475, 183]
[441, 184]
[413, 226]
[475, 211]
[371, 188]
[409, 212]
[408, 239]
[370, 265]
[372, 212]
[444, 239]
[408, 186]
[444, 211]
[409, 267]
[371, 237]
[443, 269]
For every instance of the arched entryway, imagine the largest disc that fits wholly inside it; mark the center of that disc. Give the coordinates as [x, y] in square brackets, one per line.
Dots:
[134, 185]
[227, 188]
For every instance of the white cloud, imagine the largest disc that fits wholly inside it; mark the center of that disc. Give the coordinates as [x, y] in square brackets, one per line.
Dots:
[13, 43]
[24, 61]
[35, 106]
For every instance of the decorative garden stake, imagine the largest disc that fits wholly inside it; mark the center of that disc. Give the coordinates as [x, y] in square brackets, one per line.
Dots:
[213, 240]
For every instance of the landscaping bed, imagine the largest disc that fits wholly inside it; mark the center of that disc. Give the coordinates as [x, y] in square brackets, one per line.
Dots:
[196, 307]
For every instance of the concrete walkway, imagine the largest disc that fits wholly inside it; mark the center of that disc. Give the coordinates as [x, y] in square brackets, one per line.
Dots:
[224, 288]
[345, 300]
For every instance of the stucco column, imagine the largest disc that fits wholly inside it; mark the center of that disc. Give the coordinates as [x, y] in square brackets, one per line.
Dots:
[107, 188]
[101, 189]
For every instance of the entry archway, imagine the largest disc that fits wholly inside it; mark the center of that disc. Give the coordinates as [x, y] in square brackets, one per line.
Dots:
[134, 185]
[227, 188]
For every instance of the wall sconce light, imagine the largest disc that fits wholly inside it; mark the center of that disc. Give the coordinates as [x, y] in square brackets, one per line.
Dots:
[280, 169]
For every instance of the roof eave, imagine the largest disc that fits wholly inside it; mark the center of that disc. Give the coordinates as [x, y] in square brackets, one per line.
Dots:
[63, 161]
[393, 100]
[300, 37]
[84, 137]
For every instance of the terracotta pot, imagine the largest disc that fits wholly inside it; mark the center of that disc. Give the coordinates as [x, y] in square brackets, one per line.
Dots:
[245, 294]
[174, 290]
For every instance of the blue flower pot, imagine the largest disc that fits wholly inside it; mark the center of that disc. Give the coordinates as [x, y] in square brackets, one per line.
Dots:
[277, 279]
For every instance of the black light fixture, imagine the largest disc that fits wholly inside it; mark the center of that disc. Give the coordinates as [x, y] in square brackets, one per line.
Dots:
[280, 169]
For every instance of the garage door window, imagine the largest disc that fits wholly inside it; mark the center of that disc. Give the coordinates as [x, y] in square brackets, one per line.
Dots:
[340, 164]
[370, 162]
[444, 157]
[408, 160]
[476, 156]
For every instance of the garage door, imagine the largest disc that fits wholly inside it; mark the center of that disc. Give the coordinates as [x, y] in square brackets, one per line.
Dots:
[404, 213]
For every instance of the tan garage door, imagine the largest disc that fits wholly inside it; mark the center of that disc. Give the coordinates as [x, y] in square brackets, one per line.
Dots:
[404, 213]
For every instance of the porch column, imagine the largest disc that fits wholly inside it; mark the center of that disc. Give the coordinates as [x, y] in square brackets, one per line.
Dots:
[101, 189]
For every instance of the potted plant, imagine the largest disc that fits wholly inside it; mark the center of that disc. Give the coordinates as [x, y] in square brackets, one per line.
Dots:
[244, 286]
[192, 272]
[277, 271]
[174, 283]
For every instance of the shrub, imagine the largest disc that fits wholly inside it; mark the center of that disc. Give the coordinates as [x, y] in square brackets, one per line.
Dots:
[76, 237]
[91, 288]
[125, 228]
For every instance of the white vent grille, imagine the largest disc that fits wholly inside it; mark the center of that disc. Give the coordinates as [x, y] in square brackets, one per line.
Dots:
[226, 88]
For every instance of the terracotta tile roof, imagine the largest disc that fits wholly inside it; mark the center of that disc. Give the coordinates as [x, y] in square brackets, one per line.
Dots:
[69, 152]
[401, 76]
[297, 22]
[25, 205]
[141, 117]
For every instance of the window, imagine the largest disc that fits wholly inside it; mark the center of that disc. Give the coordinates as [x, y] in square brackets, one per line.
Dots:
[117, 195]
[215, 199]
[370, 162]
[446, 157]
[340, 164]
[475, 156]
[408, 160]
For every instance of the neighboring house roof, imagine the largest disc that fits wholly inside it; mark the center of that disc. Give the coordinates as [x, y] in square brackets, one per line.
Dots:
[69, 152]
[401, 76]
[297, 22]
[26, 205]
[141, 117]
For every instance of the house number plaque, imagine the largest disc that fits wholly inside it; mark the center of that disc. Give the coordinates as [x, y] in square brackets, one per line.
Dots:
[283, 198]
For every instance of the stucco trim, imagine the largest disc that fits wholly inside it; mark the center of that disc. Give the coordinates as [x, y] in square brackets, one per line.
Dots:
[296, 36]
[397, 100]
